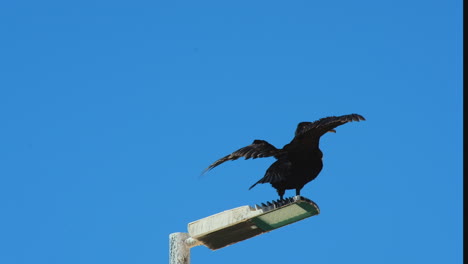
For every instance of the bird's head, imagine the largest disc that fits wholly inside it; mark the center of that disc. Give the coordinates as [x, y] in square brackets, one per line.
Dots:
[303, 127]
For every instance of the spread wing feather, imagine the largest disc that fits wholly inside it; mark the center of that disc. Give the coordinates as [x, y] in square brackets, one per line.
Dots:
[324, 125]
[258, 149]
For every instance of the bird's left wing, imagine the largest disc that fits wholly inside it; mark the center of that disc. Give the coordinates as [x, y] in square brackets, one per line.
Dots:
[258, 149]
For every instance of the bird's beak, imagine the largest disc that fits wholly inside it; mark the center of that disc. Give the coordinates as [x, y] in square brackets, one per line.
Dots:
[332, 131]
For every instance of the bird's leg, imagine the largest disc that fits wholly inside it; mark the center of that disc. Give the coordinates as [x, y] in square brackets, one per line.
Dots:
[281, 193]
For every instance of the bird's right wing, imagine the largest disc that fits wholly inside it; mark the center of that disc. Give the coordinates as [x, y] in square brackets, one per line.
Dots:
[258, 149]
[327, 124]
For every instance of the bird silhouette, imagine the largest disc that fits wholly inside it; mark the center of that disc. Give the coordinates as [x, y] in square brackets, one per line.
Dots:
[299, 161]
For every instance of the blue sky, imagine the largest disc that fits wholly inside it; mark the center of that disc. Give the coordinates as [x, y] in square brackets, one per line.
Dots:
[111, 109]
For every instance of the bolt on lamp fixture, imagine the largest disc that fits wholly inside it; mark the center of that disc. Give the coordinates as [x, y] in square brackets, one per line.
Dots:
[241, 223]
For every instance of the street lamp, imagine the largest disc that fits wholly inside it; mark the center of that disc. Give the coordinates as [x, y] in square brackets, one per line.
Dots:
[238, 224]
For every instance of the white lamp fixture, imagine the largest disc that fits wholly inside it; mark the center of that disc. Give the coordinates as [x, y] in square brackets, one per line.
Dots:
[241, 223]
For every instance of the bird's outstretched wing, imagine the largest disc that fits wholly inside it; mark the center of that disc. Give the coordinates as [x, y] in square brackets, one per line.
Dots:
[258, 149]
[326, 124]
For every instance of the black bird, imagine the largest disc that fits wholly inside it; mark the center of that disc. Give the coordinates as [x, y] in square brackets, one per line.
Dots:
[298, 162]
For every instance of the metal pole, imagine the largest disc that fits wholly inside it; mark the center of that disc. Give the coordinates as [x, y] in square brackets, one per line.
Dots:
[179, 248]
[179, 251]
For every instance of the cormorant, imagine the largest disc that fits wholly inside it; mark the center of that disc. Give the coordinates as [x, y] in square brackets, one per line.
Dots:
[298, 162]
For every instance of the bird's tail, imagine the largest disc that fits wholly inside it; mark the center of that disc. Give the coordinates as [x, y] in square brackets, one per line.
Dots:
[254, 184]
[269, 178]
[278, 171]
